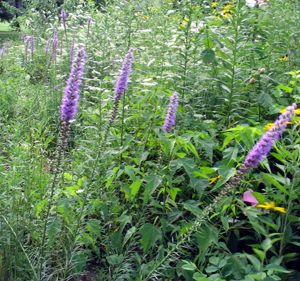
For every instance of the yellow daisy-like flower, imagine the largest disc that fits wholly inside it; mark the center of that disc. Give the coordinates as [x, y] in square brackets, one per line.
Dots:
[218, 18]
[193, 7]
[214, 10]
[297, 111]
[214, 4]
[211, 181]
[270, 206]
[145, 18]
[268, 127]
[171, 18]
[227, 16]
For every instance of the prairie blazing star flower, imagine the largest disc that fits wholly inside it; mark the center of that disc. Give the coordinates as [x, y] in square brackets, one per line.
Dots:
[63, 14]
[121, 86]
[270, 206]
[261, 148]
[69, 106]
[47, 46]
[88, 32]
[3, 51]
[23, 37]
[171, 114]
[54, 44]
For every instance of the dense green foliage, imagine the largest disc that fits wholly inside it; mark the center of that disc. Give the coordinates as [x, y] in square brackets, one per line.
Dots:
[128, 201]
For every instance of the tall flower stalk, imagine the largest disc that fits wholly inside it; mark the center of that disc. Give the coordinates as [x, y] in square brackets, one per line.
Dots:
[121, 86]
[68, 109]
[63, 15]
[54, 45]
[88, 32]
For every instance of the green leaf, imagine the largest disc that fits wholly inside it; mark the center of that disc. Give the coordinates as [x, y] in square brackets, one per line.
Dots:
[260, 253]
[208, 56]
[255, 261]
[128, 235]
[153, 181]
[40, 206]
[53, 229]
[199, 277]
[229, 154]
[181, 155]
[64, 209]
[94, 227]
[207, 170]
[208, 147]
[192, 206]
[134, 187]
[189, 166]
[189, 266]
[67, 176]
[276, 267]
[285, 88]
[150, 234]
[273, 181]
[264, 99]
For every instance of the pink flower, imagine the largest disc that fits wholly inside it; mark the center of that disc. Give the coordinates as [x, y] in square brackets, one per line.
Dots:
[248, 197]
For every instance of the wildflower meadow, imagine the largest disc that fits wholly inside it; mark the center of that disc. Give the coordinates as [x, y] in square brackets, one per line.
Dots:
[150, 140]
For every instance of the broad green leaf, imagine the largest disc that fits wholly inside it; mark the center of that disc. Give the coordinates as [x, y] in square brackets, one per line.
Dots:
[134, 187]
[276, 267]
[189, 166]
[255, 261]
[40, 206]
[94, 227]
[264, 99]
[285, 88]
[181, 155]
[208, 56]
[260, 253]
[192, 206]
[208, 147]
[229, 154]
[150, 234]
[207, 170]
[64, 209]
[153, 181]
[53, 229]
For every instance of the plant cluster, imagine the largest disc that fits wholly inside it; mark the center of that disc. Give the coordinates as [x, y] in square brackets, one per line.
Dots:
[139, 142]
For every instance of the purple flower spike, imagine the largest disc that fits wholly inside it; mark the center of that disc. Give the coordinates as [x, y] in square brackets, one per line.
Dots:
[121, 85]
[23, 37]
[32, 44]
[262, 148]
[63, 14]
[54, 44]
[7, 45]
[89, 20]
[3, 51]
[171, 114]
[69, 106]
[264, 145]
[47, 46]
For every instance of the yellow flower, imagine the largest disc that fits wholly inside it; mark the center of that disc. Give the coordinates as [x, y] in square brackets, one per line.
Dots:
[211, 181]
[193, 7]
[171, 18]
[218, 18]
[297, 111]
[271, 205]
[145, 18]
[139, 14]
[268, 127]
[284, 58]
[214, 4]
[214, 10]
[227, 16]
